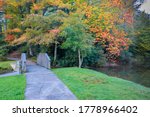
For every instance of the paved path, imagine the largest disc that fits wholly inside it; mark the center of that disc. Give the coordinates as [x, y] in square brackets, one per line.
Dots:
[43, 84]
[9, 74]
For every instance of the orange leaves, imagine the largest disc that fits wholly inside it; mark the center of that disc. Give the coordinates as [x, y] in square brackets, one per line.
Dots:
[88, 11]
[104, 22]
[116, 3]
[128, 17]
[104, 35]
[9, 38]
[36, 7]
[95, 29]
[114, 42]
[20, 40]
[8, 16]
[1, 4]
[15, 30]
[56, 31]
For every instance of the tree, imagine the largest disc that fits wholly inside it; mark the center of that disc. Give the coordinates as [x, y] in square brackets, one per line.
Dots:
[34, 28]
[56, 18]
[77, 37]
[106, 22]
[141, 42]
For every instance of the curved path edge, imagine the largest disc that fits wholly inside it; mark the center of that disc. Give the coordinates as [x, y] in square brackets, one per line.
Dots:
[43, 84]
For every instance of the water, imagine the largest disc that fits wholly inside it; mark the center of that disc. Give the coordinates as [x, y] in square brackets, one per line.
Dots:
[138, 75]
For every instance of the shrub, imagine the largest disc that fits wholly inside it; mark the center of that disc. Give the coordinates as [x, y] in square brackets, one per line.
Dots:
[96, 58]
[5, 70]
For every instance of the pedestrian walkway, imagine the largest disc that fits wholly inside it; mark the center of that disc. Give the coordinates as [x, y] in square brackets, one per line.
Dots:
[43, 84]
[9, 74]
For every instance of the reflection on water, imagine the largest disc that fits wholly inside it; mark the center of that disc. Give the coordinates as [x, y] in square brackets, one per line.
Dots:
[136, 74]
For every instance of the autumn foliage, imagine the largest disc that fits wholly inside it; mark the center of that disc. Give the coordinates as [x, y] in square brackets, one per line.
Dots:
[105, 20]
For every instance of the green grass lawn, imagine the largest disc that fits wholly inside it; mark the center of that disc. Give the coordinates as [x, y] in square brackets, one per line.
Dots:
[88, 84]
[12, 87]
[5, 66]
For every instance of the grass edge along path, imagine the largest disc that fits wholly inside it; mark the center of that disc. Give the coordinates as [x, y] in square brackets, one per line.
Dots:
[12, 87]
[92, 85]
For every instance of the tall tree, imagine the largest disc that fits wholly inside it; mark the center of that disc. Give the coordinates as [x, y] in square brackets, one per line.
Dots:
[141, 42]
[77, 37]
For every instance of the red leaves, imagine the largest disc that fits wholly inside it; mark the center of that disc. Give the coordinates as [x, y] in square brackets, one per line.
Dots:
[9, 38]
[128, 17]
[54, 31]
[116, 3]
[8, 16]
[113, 42]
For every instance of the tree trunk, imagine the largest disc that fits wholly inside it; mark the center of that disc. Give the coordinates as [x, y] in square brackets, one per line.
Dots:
[0, 28]
[80, 58]
[55, 53]
[5, 25]
[30, 51]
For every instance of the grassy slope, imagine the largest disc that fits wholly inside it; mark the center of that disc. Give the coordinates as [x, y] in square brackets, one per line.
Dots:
[12, 87]
[89, 84]
[5, 66]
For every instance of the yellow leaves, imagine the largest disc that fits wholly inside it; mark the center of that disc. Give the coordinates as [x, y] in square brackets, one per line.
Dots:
[58, 3]
[54, 2]
[68, 6]
[47, 38]
[12, 3]
[15, 30]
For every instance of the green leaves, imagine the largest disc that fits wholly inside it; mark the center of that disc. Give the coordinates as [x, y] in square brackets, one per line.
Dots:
[76, 34]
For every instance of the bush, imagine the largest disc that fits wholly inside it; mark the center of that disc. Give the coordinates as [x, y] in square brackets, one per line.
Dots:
[3, 58]
[96, 58]
[126, 57]
[3, 52]
[5, 70]
[5, 67]
[69, 59]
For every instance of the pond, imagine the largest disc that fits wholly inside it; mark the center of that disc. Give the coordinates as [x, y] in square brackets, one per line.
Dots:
[138, 75]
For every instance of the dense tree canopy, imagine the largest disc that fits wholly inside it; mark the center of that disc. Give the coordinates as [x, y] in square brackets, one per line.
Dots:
[78, 25]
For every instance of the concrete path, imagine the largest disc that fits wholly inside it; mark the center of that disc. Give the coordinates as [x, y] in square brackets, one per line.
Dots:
[43, 84]
[9, 74]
